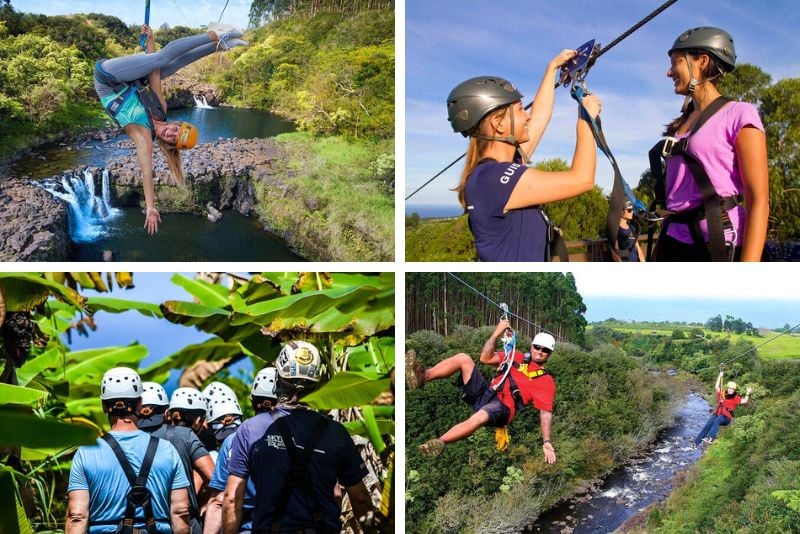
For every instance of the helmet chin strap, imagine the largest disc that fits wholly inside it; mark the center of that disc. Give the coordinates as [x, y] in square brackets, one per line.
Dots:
[511, 139]
[693, 83]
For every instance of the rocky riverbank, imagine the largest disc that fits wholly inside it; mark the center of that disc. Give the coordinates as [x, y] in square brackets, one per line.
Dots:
[33, 224]
[237, 174]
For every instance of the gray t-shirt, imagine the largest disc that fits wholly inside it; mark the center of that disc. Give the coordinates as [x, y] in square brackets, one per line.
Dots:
[189, 447]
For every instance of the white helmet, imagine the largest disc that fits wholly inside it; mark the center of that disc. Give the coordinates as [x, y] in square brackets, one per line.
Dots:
[153, 394]
[264, 384]
[731, 385]
[299, 359]
[187, 399]
[222, 405]
[120, 383]
[543, 339]
[215, 389]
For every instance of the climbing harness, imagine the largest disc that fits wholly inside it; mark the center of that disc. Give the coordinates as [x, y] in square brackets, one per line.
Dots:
[714, 208]
[509, 346]
[621, 192]
[139, 495]
[136, 89]
[143, 38]
[580, 68]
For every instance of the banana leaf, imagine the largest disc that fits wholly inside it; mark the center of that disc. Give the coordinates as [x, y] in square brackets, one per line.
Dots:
[20, 395]
[359, 310]
[377, 355]
[211, 350]
[88, 366]
[15, 522]
[25, 291]
[213, 295]
[347, 389]
[112, 305]
[385, 427]
[33, 367]
[258, 289]
[27, 430]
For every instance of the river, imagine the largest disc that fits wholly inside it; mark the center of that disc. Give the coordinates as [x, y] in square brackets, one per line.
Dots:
[630, 489]
[181, 237]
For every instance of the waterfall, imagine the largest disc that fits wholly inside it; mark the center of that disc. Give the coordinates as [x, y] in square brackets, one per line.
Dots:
[88, 213]
[201, 102]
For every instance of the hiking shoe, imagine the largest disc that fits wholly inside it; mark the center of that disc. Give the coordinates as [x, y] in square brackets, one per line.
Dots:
[227, 44]
[432, 447]
[415, 373]
[224, 31]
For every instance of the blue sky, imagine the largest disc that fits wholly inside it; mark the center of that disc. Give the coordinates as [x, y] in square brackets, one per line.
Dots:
[448, 41]
[194, 14]
[161, 337]
[763, 294]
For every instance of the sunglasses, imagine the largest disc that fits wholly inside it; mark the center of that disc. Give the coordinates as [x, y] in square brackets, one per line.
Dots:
[542, 349]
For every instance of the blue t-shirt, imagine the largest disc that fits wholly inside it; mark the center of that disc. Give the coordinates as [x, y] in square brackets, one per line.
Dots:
[95, 468]
[519, 234]
[220, 480]
[335, 458]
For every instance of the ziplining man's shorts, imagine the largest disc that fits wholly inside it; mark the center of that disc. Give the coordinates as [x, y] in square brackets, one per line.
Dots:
[477, 393]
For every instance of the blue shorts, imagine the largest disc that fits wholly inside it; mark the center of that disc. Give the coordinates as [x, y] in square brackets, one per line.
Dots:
[477, 393]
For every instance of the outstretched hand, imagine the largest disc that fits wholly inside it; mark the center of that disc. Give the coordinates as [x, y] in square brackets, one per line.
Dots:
[562, 57]
[152, 220]
[147, 30]
[592, 105]
[549, 453]
[501, 326]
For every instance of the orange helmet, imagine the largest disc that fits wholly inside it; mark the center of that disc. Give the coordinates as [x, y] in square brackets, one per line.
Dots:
[187, 137]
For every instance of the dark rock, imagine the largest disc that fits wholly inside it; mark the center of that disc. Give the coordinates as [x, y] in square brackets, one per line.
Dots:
[33, 224]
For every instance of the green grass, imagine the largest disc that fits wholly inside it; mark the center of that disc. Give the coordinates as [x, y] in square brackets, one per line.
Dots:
[786, 346]
[439, 240]
[338, 201]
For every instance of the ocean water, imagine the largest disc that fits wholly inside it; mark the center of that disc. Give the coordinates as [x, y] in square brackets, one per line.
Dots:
[427, 211]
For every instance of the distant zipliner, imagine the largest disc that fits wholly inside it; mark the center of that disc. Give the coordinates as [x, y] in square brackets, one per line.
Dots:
[130, 89]
[727, 401]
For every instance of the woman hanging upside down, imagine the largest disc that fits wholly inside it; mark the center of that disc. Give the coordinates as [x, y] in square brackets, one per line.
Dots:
[727, 401]
[496, 403]
[130, 89]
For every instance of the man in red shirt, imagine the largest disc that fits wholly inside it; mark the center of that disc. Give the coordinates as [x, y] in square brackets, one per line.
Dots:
[519, 381]
[727, 401]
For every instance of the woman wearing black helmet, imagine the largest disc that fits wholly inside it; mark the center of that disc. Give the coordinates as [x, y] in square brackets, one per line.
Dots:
[627, 237]
[501, 194]
[717, 182]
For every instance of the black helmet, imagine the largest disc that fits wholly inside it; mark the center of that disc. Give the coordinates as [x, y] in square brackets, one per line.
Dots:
[475, 98]
[715, 41]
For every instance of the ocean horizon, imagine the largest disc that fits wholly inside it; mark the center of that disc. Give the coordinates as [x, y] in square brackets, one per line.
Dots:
[431, 211]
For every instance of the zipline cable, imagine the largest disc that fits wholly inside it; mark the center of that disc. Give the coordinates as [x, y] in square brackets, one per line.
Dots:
[226, 7]
[613, 43]
[506, 311]
[750, 349]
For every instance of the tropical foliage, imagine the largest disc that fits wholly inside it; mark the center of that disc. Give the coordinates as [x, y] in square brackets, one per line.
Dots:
[52, 404]
[332, 74]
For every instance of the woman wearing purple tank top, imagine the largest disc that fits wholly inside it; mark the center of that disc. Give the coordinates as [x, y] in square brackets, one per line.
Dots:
[727, 145]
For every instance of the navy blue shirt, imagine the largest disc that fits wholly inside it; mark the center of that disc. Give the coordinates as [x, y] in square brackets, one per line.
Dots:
[335, 458]
[519, 234]
[626, 240]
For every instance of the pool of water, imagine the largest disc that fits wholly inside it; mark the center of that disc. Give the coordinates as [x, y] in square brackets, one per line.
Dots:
[183, 237]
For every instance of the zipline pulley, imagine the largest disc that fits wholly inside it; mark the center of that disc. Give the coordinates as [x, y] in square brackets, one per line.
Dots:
[575, 70]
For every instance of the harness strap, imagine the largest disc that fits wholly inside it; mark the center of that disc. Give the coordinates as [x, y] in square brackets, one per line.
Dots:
[620, 191]
[715, 214]
[139, 88]
[298, 476]
[138, 495]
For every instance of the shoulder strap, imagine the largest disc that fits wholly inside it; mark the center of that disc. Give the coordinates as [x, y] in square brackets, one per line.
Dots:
[138, 495]
[298, 476]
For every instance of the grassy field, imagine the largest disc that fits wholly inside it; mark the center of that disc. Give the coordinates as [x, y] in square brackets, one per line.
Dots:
[786, 346]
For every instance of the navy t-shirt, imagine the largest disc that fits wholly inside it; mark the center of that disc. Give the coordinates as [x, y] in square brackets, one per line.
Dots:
[519, 234]
[335, 458]
[626, 240]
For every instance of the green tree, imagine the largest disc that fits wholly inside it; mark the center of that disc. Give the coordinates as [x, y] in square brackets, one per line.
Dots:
[746, 83]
